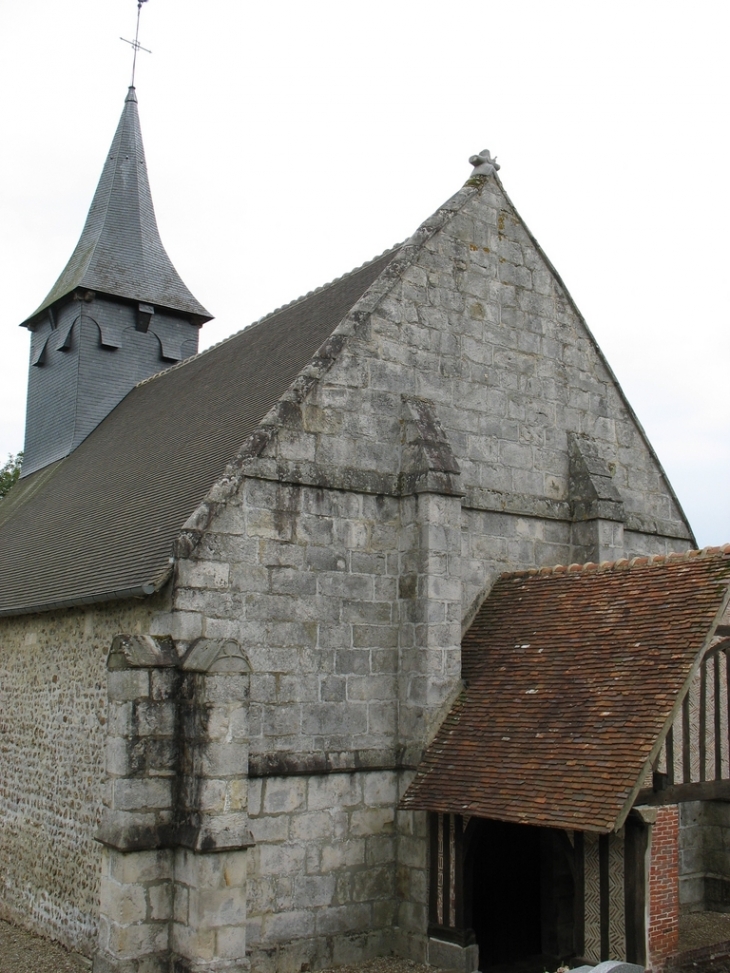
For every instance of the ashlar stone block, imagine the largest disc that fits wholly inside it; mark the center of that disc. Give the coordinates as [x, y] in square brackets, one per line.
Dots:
[284, 795]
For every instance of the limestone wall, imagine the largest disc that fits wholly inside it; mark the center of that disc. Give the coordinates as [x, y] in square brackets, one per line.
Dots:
[323, 883]
[477, 323]
[346, 586]
[426, 450]
[52, 729]
[349, 554]
[704, 866]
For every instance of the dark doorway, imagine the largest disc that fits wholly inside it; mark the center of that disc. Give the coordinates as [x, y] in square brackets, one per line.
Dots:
[519, 895]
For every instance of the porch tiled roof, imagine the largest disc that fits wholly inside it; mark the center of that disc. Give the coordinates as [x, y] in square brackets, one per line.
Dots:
[572, 674]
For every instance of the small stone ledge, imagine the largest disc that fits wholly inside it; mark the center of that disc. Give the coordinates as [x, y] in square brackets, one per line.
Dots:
[518, 504]
[452, 956]
[181, 964]
[149, 963]
[672, 529]
[323, 477]
[115, 832]
[352, 480]
[233, 834]
[299, 764]
[524, 505]
[598, 510]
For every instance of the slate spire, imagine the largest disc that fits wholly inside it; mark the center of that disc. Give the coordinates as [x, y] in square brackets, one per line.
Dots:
[118, 313]
[120, 253]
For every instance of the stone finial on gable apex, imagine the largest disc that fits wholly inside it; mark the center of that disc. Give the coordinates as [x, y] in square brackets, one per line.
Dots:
[484, 164]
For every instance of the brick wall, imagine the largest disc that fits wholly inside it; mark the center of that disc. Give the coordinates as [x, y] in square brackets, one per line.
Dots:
[664, 887]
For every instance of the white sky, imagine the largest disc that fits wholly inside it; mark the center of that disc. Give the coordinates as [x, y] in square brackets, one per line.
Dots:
[288, 142]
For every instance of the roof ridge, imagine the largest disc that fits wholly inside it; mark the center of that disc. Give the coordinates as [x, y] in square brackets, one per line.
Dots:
[266, 317]
[624, 563]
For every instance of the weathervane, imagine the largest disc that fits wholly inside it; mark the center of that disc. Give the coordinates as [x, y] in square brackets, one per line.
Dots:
[135, 43]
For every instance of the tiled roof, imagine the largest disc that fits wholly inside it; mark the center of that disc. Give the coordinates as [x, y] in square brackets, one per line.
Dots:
[120, 251]
[571, 676]
[100, 524]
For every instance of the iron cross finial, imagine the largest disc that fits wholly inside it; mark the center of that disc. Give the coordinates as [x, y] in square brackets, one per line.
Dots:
[135, 43]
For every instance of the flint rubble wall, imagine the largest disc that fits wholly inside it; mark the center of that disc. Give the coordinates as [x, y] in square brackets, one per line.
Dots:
[53, 706]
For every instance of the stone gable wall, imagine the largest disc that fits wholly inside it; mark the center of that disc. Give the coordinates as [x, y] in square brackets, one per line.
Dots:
[53, 711]
[481, 327]
[344, 576]
[347, 589]
[345, 567]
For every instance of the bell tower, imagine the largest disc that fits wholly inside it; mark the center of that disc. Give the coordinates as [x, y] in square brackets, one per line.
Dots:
[118, 313]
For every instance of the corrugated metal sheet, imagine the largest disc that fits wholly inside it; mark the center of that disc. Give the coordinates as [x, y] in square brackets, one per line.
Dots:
[102, 521]
[571, 677]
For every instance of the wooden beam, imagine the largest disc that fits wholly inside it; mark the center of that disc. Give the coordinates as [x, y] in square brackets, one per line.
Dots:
[635, 851]
[433, 828]
[579, 916]
[707, 790]
[718, 723]
[703, 720]
[604, 892]
[686, 745]
[459, 871]
[670, 755]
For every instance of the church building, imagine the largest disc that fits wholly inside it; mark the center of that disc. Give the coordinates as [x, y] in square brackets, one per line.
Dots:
[375, 628]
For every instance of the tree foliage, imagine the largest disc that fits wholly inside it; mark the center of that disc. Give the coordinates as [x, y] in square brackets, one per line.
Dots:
[10, 472]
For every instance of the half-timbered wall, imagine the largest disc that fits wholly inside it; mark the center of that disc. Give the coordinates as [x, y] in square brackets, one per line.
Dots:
[697, 747]
[604, 935]
[446, 898]
[602, 915]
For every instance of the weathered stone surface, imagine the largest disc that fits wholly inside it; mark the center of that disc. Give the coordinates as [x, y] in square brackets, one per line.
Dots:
[53, 716]
[459, 423]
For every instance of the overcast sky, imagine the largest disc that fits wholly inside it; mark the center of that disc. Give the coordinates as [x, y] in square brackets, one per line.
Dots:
[288, 142]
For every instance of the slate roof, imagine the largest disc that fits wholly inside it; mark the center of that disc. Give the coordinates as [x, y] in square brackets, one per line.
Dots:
[571, 678]
[100, 523]
[120, 251]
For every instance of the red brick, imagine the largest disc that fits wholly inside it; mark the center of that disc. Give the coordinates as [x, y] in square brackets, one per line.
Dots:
[664, 888]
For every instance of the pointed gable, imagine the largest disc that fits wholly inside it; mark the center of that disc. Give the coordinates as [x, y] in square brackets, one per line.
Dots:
[465, 360]
[573, 676]
[120, 252]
